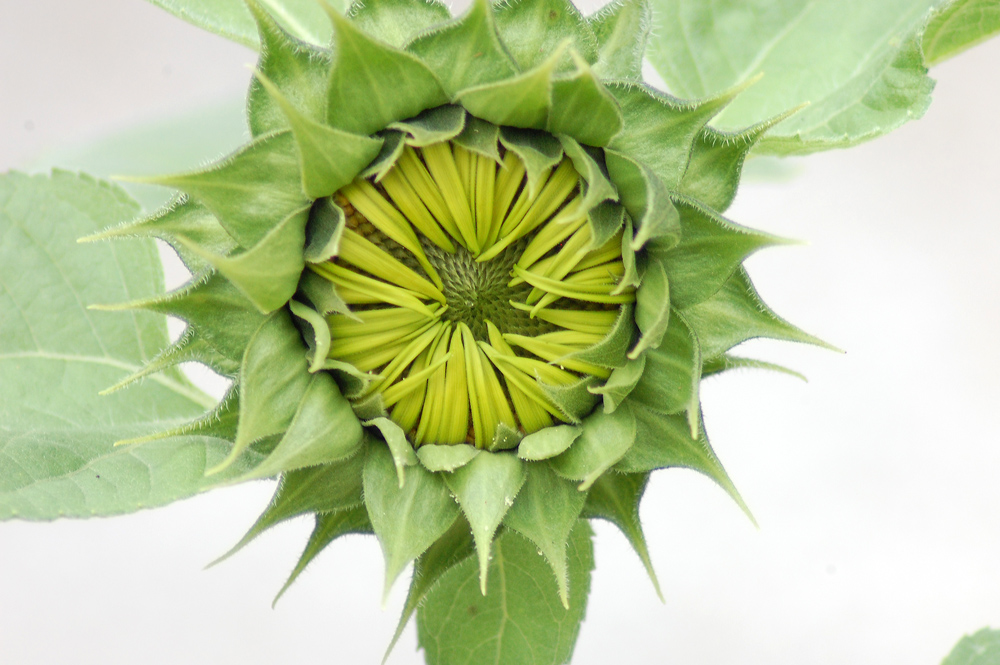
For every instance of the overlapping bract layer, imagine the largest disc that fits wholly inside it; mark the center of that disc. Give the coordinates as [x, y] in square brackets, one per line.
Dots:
[549, 87]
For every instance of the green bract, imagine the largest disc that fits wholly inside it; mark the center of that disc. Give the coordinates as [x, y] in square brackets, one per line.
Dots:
[466, 278]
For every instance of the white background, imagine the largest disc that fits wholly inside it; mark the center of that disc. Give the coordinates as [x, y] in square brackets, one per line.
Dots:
[876, 484]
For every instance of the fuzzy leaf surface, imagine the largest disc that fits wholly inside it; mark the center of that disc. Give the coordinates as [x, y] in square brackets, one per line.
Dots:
[959, 25]
[521, 621]
[57, 435]
[980, 648]
[857, 63]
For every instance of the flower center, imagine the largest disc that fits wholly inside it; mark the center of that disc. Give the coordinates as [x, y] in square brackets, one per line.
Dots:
[476, 299]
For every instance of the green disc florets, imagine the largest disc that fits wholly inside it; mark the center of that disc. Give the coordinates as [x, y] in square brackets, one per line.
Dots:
[471, 293]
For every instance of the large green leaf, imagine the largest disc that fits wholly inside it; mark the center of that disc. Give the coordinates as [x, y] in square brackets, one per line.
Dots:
[981, 648]
[521, 621]
[57, 435]
[959, 25]
[857, 63]
[231, 18]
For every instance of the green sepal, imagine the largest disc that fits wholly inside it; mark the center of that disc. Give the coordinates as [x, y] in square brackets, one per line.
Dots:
[521, 622]
[573, 400]
[598, 185]
[323, 231]
[652, 306]
[322, 294]
[451, 549]
[352, 381]
[622, 30]
[217, 313]
[465, 51]
[505, 437]
[646, 199]
[320, 339]
[664, 441]
[615, 498]
[399, 447]
[532, 29]
[621, 383]
[545, 512]
[481, 137]
[251, 190]
[297, 69]
[631, 275]
[520, 101]
[329, 527]
[660, 129]
[268, 273]
[583, 108]
[180, 218]
[445, 457]
[605, 438]
[710, 251]
[392, 147]
[735, 313]
[329, 158]
[318, 489]
[433, 125]
[716, 163]
[273, 382]
[395, 22]
[548, 442]
[670, 380]
[219, 423]
[485, 488]
[540, 151]
[604, 220]
[408, 519]
[726, 362]
[373, 84]
[324, 430]
[612, 351]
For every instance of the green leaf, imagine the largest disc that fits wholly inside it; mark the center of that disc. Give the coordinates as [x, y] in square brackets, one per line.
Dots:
[485, 489]
[447, 457]
[605, 439]
[959, 25]
[329, 527]
[395, 22]
[318, 489]
[615, 497]
[297, 70]
[532, 30]
[324, 430]
[521, 621]
[408, 519]
[621, 383]
[466, 51]
[670, 380]
[400, 448]
[273, 382]
[724, 363]
[710, 251]
[735, 314]
[56, 432]
[451, 549]
[545, 512]
[980, 648]
[622, 31]
[373, 84]
[547, 442]
[231, 19]
[857, 63]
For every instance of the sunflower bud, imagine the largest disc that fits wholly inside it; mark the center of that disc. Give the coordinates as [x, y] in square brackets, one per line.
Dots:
[466, 279]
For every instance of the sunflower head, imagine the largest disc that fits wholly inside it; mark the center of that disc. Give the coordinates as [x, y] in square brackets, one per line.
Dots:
[466, 279]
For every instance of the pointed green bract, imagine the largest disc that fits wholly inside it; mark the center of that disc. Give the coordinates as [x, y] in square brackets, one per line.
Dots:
[485, 489]
[647, 200]
[250, 191]
[433, 126]
[395, 22]
[540, 151]
[465, 52]
[604, 439]
[481, 137]
[521, 621]
[621, 383]
[545, 512]
[583, 108]
[622, 28]
[958, 25]
[520, 101]
[548, 442]
[615, 497]
[399, 447]
[530, 30]
[445, 458]
[670, 379]
[406, 520]
[296, 69]
[373, 84]
[652, 307]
